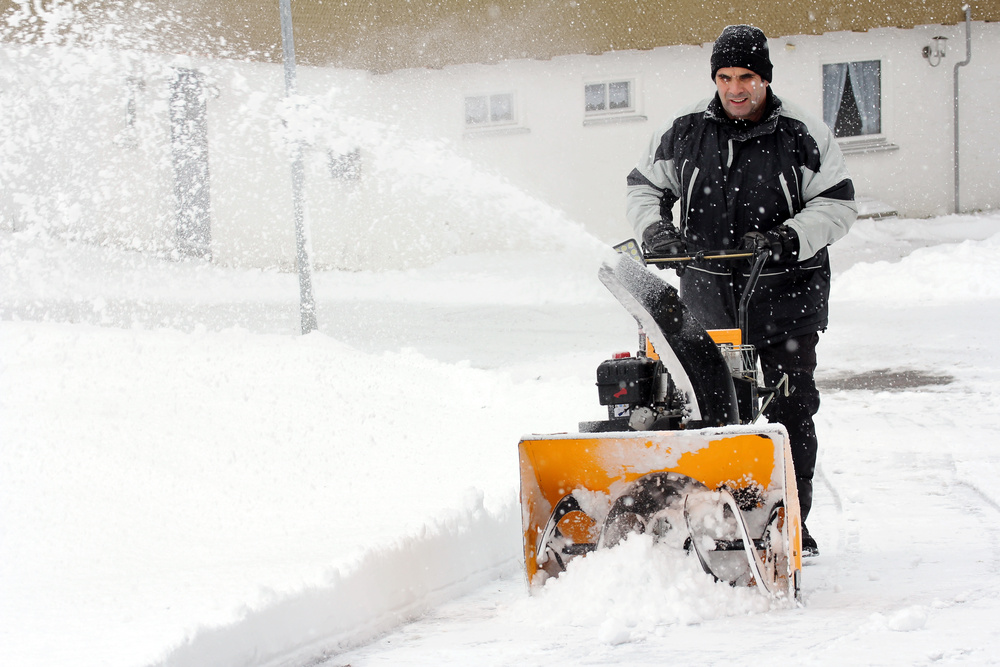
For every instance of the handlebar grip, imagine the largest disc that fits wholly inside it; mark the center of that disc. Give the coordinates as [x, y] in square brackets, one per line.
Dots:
[699, 256]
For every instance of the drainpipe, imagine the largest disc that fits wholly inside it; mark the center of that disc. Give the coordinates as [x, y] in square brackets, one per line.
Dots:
[968, 57]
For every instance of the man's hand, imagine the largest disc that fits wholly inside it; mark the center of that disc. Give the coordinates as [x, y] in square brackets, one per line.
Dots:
[782, 242]
[662, 238]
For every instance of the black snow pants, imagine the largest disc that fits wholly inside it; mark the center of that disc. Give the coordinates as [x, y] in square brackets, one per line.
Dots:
[797, 357]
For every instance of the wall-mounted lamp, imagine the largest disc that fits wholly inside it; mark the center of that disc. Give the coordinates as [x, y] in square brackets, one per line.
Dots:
[935, 53]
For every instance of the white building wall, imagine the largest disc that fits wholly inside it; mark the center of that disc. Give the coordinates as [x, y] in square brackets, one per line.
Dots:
[72, 162]
[581, 168]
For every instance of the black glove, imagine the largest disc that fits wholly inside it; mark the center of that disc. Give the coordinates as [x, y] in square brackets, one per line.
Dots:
[782, 242]
[663, 239]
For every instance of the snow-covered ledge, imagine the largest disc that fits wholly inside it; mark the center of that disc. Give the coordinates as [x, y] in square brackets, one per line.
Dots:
[495, 131]
[875, 144]
[620, 118]
[870, 207]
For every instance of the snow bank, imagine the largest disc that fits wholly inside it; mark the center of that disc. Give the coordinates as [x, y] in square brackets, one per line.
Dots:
[384, 588]
[952, 271]
[201, 470]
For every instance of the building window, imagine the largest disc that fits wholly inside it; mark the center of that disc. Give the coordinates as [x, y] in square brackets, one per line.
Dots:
[608, 96]
[489, 110]
[852, 98]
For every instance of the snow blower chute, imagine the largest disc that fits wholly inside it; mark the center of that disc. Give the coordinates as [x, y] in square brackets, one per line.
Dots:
[679, 456]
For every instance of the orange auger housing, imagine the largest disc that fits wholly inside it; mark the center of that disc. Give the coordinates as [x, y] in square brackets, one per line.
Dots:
[598, 470]
[679, 456]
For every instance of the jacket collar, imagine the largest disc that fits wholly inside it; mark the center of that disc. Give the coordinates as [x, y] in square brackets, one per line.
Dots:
[741, 130]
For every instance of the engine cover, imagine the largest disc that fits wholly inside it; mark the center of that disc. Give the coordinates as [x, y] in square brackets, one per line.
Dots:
[627, 381]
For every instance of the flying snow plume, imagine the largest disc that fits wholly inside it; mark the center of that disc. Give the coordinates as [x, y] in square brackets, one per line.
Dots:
[94, 148]
[418, 199]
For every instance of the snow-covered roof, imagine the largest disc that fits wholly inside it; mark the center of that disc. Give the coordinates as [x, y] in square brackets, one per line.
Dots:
[386, 35]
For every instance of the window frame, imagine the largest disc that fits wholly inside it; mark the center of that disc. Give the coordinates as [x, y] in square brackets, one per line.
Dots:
[607, 114]
[863, 143]
[512, 124]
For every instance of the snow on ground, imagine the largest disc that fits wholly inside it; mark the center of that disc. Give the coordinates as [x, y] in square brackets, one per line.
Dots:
[185, 481]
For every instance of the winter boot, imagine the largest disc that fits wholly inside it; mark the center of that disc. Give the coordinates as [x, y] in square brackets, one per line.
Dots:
[809, 548]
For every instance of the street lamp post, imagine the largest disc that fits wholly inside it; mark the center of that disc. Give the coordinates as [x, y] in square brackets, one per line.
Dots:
[307, 305]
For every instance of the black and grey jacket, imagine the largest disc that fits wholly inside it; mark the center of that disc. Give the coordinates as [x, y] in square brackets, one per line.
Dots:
[732, 177]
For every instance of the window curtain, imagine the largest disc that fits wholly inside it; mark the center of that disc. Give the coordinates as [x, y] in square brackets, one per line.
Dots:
[866, 81]
[834, 81]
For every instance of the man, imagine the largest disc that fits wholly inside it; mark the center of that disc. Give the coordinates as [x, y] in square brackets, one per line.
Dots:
[751, 171]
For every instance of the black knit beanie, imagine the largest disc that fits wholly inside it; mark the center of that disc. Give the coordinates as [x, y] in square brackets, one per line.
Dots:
[742, 46]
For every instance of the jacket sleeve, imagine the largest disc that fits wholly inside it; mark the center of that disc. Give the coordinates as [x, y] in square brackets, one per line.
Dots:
[652, 187]
[830, 209]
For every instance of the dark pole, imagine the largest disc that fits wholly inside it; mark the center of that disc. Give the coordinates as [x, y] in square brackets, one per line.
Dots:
[968, 59]
[307, 306]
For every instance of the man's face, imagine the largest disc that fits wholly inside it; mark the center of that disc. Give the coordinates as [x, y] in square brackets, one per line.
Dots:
[742, 93]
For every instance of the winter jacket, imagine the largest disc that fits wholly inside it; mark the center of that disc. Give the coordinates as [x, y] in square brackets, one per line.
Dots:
[733, 177]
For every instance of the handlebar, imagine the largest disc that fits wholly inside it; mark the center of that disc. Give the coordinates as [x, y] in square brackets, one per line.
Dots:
[758, 257]
[698, 256]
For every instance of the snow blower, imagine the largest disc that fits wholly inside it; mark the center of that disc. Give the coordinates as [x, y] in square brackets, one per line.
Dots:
[679, 456]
